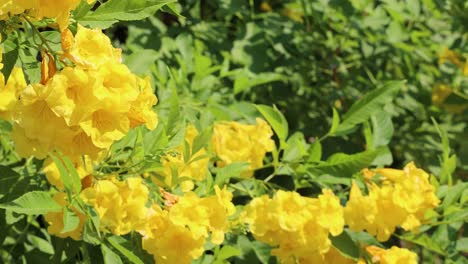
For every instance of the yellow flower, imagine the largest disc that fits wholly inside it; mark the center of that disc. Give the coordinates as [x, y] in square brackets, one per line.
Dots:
[121, 205]
[187, 212]
[31, 113]
[9, 93]
[26, 146]
[141, 110]
[219, 209]
[178, 234]
[194, 169]
[331, 213]
[90, 48]
[71, 94]
[360, 211]
[403, 199]
[394, 255]
[236, 142]
[86, 107]
[298, 226]
[55, 219]
[58, 9]
[168, 242]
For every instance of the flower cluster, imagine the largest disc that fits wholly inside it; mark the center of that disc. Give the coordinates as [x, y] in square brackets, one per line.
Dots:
[176, 165]
[121, 205]
[178, 234]
[235, 142]
[86, 107]
[394, 255]
[58, 9]
[298, 226]
[402, 199]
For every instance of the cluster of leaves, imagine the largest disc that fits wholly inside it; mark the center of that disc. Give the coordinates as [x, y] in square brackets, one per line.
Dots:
[324, 64]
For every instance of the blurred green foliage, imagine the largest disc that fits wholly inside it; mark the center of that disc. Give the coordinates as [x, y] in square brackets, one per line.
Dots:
[307, 57]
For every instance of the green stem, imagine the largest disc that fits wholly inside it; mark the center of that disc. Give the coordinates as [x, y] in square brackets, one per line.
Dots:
[43, 40]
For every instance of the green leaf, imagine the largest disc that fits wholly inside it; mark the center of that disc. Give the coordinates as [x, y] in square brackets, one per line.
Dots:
[344, 165]
[333, 180]
[263, 251]
[117, 10]
[382, 128]
[33, 203]
[335, 122]
[116, 243]
[449, 162]
[368, 105]
[315, 151]
[296, 148]
[155, 140]
[227, 251]
[202, 140]
[8, 178]
[140, 61]
[276, 119]
[246, 80]
[345, 245]
[10, 56]
[462, 244]
[453, 194]
[110, 257]
[232, 170]
[41, 244]
[70, 221]
[68, 174]
[425, 241]
[82, 9]
[29, 64]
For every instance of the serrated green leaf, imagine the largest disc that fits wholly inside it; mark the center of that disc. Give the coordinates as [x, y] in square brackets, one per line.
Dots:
[262, 251]
[201, 140]
[117, 10]
[116, 243]
[368, 105]
[296, 148]
[155, 140]
[453, 194]
[315, 152]
[10, 56]
[344, 165]
[382, 128]
[425, 241]
[335, 122]
[345, 245]
[110, 257]
[68, 174]
[276, 119]
[33, 203]
[226, 252]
